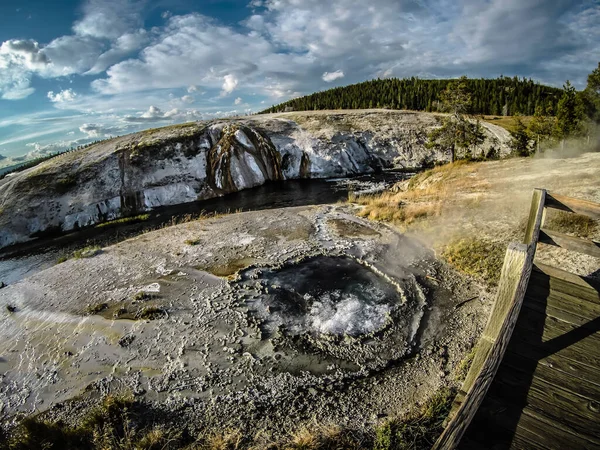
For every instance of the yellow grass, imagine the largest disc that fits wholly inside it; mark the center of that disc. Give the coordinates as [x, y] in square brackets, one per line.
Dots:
[425, 195]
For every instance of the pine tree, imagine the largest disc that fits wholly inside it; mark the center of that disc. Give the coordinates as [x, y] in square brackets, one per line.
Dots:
[542, 126]
[519, 139]
[456, 130]
[569, 113]
[591, 95]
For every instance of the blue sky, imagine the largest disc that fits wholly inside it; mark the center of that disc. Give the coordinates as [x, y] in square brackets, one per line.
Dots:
[72, 71]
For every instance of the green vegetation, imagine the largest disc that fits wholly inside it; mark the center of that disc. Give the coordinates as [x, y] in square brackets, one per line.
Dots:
[151, 313]
[519, 138]
[124, 220]
[570, 223]
[463, 367]
[477, 257]
[86, 252]
[96, 308]
[419, 430]
[500, 96]
[118, 423]
[142, 296]
[456, 130]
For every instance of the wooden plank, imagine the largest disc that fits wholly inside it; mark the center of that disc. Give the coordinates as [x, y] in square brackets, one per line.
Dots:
[559, 300]
[511, 290]
[555, 332]
[565, 360]
[505, 425]
[553, 401]
[574, 314]
[573, 243]
[520, 366]
[554, 279]
[573, 205]
[536, 217]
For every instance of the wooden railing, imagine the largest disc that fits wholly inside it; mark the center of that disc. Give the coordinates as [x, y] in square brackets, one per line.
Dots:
[513, 283]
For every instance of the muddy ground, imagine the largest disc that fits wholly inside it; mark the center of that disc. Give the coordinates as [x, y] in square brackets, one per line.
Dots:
[256, 321]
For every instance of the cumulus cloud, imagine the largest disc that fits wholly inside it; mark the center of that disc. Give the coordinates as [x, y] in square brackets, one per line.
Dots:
[238, 101]
[187, 99]
[94, 130]
[332, 76]
[67, 95]
[229, 84]
[109, 19]
[155, 114]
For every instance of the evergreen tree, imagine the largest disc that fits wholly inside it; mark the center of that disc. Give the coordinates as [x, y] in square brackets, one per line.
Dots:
[541, 126]
[591, 95]
[569, 113]
[519, 139]
[456, 130]
[488, 96]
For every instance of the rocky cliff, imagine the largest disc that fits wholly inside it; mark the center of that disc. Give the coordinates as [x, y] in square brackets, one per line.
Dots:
[185, 163]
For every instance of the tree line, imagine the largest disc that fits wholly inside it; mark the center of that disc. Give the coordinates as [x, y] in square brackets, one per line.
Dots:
[499, 96]
[575, 116]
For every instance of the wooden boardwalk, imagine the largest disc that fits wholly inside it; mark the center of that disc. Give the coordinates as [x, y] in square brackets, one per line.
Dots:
[535, 378]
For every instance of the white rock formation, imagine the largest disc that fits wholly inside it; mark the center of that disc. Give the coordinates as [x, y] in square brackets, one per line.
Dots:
[185, 163]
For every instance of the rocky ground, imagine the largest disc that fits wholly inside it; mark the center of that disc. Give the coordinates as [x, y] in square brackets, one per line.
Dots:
[257, 321]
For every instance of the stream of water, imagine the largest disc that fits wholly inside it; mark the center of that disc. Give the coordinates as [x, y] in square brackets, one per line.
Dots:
[27, 259]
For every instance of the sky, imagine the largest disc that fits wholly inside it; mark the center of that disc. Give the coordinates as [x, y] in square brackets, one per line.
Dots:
[74, 71]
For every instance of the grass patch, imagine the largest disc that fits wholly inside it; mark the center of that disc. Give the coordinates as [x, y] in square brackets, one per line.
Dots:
[420, 429]
[425, 195]
[478, 257]
[86, 252]
[96, 308]
[566, 222]
[507, 122]
[124, 220]
[142, 296]
[117, 423]
[463, 366]
[151, 313]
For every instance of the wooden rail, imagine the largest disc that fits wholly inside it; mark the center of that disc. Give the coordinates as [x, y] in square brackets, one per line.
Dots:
[512, 289]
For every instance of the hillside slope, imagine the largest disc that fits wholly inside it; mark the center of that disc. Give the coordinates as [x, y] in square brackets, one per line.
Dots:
[196, 161]
[503, 95]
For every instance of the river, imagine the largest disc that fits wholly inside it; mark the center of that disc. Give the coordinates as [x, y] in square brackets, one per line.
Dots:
[24, 260]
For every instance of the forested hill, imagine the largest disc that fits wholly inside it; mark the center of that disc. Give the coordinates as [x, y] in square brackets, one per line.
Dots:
[498, 96]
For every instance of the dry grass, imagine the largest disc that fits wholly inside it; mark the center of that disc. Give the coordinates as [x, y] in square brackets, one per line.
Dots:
[320, 437]
[507, 122]
[418, 430]
[424, 196]
[570, 223]
[478, 257]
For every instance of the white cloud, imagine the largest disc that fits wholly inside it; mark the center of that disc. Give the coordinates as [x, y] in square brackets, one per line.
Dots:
[95, 130]
[332, 76]
[67, 95]
[238, 101]
[124, 46]
[192, 89]
[187, 99]
[230, 82]
[109, 19]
